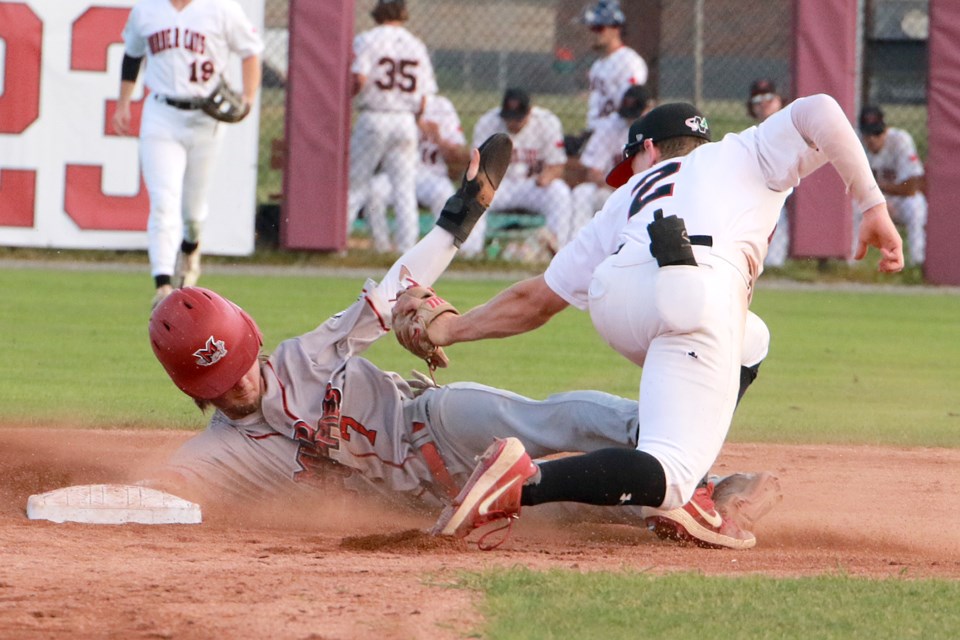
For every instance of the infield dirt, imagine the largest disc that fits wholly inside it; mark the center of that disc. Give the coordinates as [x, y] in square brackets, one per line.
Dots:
[337, 568]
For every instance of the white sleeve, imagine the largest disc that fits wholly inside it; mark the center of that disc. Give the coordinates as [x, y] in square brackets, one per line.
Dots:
[822, 123]
[134, 45]
[908, 163]
[422, 264]
[554, 152]
[242, 37]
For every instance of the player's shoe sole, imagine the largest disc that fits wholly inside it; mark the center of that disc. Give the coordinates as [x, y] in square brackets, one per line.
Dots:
[491, 493]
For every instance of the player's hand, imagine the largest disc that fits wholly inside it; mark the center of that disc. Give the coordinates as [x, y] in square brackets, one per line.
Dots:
[121, 118]
[877, 230]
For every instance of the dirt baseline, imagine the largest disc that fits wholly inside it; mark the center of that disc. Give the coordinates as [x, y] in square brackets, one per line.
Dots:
[339, 569]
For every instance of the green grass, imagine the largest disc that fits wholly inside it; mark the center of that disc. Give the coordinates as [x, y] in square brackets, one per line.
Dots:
[564, 604]
[868, 367]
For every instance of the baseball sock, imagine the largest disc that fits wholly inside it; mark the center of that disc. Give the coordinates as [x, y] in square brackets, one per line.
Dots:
[603, 477]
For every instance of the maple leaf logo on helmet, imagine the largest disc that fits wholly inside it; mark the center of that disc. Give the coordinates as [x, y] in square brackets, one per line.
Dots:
[210, 353]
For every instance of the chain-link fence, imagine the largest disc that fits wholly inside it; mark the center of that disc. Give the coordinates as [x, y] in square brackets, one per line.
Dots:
[705, 51]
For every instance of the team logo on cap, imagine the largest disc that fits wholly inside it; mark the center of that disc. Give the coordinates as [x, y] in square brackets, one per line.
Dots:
[697, 124]
[211, 353]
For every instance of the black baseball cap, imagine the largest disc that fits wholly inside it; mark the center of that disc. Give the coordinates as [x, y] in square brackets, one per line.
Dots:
[871, 121]
[761, 86]
[671, 120]
[516, 104]
[634, 101]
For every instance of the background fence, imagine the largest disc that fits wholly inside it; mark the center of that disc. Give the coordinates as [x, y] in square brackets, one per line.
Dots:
[703, 51]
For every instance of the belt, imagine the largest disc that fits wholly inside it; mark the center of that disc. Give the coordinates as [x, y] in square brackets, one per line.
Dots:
[186, 105]
[436, 465]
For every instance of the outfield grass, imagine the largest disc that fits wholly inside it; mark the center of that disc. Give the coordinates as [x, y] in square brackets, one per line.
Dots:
[564, 604]
[865, 367]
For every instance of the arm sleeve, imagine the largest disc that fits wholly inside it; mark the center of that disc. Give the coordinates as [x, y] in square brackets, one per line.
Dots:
[130, 68]
[822, 123]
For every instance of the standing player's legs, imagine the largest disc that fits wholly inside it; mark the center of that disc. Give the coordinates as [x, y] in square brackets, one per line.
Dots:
[163, 160]
[554, 203]
[684, 326]
[368, 142]
[779, 248]
[203, 149]
[911, 212]
[375, 212]
[400, 163]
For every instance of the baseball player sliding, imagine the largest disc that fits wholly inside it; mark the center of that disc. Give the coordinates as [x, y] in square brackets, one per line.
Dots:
[187, 44]
[666, 269]
[317, 414]
[392, 77]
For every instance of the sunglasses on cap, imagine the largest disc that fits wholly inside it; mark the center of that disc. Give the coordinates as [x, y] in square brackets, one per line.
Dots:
[762, 97]
[632, 148]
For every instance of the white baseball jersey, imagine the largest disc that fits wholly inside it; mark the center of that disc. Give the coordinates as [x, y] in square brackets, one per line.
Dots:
[610, 77]
[538, 144]
[397, 68]
[897, 161]
[732, 190]
[440, 110]
[604, 148]
[188, 50]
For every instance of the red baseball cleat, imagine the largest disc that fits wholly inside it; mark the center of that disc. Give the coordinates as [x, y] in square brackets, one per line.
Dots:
[698, 522]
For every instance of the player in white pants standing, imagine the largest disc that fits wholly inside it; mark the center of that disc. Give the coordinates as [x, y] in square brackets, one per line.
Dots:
[604, 149]
[441, 139]
[534, 181]
[392, 76]
[893, 157]
[187, 44]
[674, 304]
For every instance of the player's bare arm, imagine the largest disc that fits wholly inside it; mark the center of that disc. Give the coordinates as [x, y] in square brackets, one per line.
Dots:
[550, 173]
[908, 187]
[523, 307]
[252, 73]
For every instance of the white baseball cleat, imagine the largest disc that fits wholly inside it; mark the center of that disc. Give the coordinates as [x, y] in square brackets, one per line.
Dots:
[190, 268]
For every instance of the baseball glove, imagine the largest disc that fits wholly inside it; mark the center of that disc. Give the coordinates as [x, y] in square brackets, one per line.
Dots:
[415, 309]
[464, 208]
[225, 104]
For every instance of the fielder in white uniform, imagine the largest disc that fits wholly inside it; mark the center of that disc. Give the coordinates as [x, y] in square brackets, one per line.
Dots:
[604, 149]
[893, 157]
[188, 44]
[534, 181]
[618, 68]
[392, 76]
[441, 139]
[672, 303]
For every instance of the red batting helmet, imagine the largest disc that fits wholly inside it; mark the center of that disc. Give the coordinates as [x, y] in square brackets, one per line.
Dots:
[205, 342]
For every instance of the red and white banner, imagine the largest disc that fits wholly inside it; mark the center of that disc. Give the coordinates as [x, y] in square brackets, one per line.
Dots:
[67, 180]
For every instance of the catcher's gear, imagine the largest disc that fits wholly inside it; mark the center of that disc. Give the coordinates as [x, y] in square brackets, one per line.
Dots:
[205, 342]
[415, 309]
[464, 208]
[225, 104]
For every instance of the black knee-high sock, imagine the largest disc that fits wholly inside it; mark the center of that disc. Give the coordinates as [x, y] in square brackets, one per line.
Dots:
[603, 477]
[747, 376]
